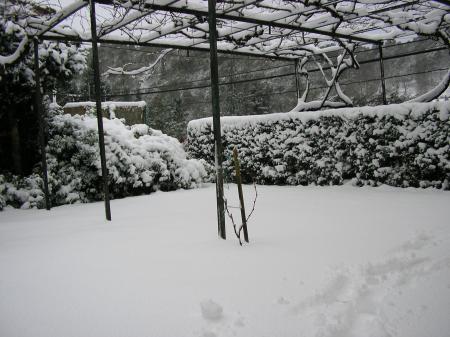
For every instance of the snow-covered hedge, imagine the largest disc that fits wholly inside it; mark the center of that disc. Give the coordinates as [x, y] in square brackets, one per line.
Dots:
[399, 145]
[139, 159]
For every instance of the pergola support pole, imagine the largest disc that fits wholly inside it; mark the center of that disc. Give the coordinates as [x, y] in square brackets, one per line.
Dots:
[383, 84]
[98, 105]
[41, 121]
[216, 117]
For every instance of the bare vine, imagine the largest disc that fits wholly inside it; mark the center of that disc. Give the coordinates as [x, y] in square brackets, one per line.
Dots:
[238, 228]
[342, 63]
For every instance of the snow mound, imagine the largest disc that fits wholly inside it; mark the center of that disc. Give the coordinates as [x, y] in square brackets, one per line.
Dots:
[397, 111]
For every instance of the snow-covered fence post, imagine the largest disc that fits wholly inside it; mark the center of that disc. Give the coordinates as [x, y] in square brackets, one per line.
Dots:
[383, 84]
[237, 168]
[98, 104]
[216, 116]
[41, 120]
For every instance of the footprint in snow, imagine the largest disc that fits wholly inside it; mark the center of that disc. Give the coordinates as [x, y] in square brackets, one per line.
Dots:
[282, 300]
[209, 334]
[420, 241]
[211, 311]
[239, 322]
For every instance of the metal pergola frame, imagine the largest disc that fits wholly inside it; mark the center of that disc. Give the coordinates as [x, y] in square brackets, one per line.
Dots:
[281, 24]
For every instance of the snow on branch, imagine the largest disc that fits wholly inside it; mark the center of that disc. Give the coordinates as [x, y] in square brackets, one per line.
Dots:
[12, 58]
[435, 92]
[342, 64]
[134, 72]
[320, 24]
[432, 24]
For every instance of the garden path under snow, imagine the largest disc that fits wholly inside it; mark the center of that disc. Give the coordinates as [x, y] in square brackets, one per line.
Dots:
[322, 261]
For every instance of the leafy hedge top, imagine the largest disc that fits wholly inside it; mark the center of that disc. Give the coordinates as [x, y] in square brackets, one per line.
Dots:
[397, 111]
[399, 145]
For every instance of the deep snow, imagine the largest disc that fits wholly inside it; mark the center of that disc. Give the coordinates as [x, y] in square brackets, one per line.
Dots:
[322, 261]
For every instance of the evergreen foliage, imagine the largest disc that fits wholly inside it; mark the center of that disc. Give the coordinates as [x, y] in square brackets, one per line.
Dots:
[140, 160]
[400, 145]
[58, 63]
[167, 114]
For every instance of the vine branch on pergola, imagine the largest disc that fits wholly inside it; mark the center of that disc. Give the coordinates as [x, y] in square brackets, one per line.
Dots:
[342, 64]
[278, 29]
[146, 70]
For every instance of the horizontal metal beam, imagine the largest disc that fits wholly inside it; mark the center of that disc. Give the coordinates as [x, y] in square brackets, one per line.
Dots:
[77, 39]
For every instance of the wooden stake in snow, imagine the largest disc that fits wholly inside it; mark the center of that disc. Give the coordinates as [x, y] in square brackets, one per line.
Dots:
[241, 196]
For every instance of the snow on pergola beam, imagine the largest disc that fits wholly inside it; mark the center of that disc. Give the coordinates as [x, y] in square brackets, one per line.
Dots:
[277, 19]
[270, 28]
[202, 48]
[290, 19]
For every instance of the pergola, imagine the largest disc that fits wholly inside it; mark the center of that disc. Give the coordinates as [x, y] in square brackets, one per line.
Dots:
[275, 29]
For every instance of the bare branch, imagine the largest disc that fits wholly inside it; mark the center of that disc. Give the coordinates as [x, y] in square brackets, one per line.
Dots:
[142, 70]
[254, 202]
[12, 58]
[435, 92]
[239, 229]
[230, 215]
[342, 64]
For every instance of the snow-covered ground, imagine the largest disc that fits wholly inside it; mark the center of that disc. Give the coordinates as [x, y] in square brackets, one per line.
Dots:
[323, 261]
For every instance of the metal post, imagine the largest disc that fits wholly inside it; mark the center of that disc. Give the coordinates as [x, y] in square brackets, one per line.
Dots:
[297, 89]
[216, 116]
[41, 120]
[383, 85]
[98, 105]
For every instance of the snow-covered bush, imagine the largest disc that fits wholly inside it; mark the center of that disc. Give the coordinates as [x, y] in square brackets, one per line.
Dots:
[399, 145]
[21, 192]
[139, 159]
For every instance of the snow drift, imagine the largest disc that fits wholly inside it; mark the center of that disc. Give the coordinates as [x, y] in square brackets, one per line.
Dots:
[400, 145]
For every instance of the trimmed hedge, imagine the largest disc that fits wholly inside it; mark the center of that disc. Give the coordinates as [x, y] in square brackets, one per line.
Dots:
[400, 145]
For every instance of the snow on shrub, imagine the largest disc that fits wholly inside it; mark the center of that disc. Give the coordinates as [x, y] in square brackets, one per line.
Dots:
[21, 192]
[139, 160]
[400, 145]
